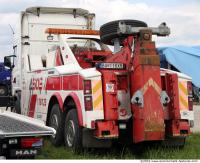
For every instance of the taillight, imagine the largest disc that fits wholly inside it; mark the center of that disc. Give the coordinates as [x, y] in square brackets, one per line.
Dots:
[190, 96]
[87, 87]
[88, 95]
[31, 142]
[88, 103]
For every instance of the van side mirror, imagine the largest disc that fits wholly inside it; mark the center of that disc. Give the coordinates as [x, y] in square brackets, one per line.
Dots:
[7, 62]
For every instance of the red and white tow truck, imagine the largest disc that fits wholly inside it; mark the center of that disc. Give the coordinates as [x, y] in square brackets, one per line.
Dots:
[68, 77]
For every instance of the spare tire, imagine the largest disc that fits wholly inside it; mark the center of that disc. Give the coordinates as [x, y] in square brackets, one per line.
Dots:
[108, 31]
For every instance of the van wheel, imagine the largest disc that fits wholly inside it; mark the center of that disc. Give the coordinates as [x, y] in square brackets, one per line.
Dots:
[109, 31]
[3, 90]
[56, 122]
[73, 132]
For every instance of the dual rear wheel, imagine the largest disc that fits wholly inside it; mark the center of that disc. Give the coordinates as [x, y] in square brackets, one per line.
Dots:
[67, 128]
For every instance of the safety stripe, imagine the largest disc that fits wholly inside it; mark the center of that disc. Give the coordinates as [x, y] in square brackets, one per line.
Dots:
[97, 95]
[183, 88]
[97, 87]
[98, 101]
[183, 102]
[150, 83]
[183, 95]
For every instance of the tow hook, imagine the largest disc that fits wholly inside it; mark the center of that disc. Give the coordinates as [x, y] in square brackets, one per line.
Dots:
[164, 98]
[138, 99]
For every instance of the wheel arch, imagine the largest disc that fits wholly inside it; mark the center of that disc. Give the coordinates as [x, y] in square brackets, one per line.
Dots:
[55, 99]
[71, 101]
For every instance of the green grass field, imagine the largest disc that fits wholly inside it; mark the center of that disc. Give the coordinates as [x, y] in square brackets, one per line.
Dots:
[190, 151]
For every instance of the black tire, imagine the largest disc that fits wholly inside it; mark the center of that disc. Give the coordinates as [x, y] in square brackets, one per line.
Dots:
[56, 122]
[73, 132]
[108, 31]
[176, 142]
[3, 90]
[17, 107]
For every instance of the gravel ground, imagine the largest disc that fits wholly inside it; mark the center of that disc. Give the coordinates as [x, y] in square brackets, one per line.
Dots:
[196, 127]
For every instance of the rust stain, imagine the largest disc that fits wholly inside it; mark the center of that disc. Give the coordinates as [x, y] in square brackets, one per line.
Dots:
[154, 123]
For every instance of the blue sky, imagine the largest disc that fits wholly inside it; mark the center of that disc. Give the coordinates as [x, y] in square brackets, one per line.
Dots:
[182, 16]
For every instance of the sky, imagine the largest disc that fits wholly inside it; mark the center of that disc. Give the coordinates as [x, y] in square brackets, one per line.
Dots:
[182, 16]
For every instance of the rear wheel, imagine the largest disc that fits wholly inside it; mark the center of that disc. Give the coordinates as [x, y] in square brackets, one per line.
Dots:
[72, 131]
[56, 122]
[3, 90]
[109, 31]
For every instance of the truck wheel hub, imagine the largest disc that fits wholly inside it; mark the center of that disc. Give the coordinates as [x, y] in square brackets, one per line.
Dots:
[70, 133]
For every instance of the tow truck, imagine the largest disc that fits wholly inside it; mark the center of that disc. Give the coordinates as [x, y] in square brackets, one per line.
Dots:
[91, 96]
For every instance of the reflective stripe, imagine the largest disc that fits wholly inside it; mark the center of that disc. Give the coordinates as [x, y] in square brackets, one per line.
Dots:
[183, 88]
[98, 101]
[96, 87]
[183, 95]
[150, 83]
[97, 95]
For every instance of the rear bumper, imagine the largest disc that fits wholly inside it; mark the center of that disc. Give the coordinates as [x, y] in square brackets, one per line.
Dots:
[176, 128]
[106, 129]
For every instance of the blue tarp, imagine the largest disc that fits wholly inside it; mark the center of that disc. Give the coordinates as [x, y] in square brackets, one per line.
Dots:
[185, 59]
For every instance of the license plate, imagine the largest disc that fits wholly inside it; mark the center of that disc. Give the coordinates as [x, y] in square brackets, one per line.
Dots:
[110, 66]
[24, 152]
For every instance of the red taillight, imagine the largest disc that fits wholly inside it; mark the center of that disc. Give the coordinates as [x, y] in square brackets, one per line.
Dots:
[190, 96]
[31, 142]
[88, 103]
[88, 95]
[87, 87]
[189, 86]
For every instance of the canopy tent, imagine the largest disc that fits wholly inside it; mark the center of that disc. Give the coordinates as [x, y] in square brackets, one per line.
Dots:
[185, 59]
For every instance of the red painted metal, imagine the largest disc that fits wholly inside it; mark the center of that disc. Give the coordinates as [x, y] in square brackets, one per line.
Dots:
[58, 59]
[59, 98]
[92, 56]
[172, 91]
[53, 83]
[109, 96]
[106, 129]
[148, 121]
[32, 105]
[174, 125]
[124, 55]
[144, 68]
[190, 95]
[71, 82]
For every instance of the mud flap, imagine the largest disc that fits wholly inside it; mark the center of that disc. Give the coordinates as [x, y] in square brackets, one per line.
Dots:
[174, 142]
[89, 141]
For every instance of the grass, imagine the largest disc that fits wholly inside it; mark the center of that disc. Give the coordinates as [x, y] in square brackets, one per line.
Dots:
[190, 151]
[196, 103]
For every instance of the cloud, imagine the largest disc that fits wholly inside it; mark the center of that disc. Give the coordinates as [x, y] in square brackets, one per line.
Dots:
[182, 17]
